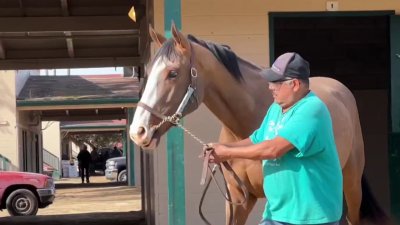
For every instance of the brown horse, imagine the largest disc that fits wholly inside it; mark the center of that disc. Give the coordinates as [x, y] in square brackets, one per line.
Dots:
[214, 73]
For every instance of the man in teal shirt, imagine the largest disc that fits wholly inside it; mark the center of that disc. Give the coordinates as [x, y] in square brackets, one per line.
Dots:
[301, 168]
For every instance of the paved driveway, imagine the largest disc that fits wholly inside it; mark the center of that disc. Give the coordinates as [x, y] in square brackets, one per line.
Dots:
[100, 202]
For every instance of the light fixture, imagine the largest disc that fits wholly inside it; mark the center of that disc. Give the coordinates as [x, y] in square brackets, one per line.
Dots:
[132, 14]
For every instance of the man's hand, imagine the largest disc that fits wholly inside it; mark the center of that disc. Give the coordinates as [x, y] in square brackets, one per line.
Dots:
[220, 152]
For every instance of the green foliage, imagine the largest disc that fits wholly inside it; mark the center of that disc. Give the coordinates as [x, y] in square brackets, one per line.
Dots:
[101, 140]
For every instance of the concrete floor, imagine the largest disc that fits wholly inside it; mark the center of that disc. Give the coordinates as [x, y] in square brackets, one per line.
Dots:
[100, 202]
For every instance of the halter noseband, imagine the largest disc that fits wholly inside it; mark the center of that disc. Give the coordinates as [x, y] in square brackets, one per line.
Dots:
[174, 118]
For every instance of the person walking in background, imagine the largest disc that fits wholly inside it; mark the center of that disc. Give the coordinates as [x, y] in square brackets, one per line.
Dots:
[95, 158]
[115, 152]
[84, 159]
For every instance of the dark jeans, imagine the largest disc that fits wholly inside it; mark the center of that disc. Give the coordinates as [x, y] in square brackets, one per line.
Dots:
[84, 170]
[271, 222]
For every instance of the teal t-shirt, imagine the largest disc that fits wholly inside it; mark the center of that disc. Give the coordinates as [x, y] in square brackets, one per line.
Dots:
[304, 186]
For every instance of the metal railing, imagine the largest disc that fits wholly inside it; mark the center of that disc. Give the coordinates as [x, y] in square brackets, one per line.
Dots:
[51, 160]
[5, 163]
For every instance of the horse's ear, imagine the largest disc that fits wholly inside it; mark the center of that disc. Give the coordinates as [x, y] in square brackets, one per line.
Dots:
[180, 39]
[156, 37]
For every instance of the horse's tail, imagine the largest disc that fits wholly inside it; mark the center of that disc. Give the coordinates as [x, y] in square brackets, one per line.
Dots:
[370, 210]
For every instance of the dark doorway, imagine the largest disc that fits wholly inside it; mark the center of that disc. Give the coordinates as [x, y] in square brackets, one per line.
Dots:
[354, 49]
[37, 155]
[25, 150]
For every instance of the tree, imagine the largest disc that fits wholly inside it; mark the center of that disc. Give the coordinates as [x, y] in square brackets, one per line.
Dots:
[98, 140]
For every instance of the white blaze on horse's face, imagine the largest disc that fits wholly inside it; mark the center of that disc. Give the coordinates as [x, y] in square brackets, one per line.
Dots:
[140, 130]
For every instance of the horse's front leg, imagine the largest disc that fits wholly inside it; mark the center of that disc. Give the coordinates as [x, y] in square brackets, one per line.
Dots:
[240, 212]
[249, 172]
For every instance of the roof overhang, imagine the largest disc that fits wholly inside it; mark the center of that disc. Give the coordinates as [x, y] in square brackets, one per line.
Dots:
[76, 104]
[94, 129]
[73, 33]
[98, 127]
[78, 98]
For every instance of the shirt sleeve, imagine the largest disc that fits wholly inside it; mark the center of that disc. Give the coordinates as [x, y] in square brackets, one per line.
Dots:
[259, 135]
[302, 129]
[256, 136]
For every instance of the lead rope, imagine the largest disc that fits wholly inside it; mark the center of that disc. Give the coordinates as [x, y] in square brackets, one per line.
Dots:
[208, 150]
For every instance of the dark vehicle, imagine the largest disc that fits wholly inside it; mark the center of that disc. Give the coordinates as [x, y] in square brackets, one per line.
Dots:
[23, 193]
[101, 156]
[116, 169]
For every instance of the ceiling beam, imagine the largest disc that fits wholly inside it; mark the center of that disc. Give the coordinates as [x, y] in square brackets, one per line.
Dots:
[107, 3]
[94, 130]
[70, 45]
[21, 7]
[83, 117]
[64, 7]
[85, 106]
[19, 64]
[71, 23]
[2, 50]
[144, 40]
[49, 36]
[110, 52]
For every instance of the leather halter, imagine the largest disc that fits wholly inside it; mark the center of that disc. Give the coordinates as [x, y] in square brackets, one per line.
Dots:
[191, 92]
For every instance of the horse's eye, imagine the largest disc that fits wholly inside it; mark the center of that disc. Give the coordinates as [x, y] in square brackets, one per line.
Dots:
[172, 74]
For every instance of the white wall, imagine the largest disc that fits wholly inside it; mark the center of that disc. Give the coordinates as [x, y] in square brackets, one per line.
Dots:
[8, 124]
[12, 122]
[243, 25]
[51, 137]
[74, 149]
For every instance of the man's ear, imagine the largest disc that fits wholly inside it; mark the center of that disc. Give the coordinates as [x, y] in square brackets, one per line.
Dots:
[296, 84]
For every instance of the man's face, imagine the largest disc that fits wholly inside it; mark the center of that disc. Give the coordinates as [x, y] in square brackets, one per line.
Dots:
[283, 91]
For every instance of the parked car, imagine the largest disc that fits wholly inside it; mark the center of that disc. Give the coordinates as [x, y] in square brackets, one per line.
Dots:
[22, 194]
[116, 169]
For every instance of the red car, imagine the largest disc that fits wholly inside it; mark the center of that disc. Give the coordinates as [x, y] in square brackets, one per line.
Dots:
[22, 194]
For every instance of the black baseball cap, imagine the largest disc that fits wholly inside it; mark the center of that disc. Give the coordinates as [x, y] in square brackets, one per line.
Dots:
[288, 66]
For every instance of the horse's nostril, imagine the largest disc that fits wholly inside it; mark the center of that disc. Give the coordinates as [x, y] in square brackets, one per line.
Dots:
[141, 131]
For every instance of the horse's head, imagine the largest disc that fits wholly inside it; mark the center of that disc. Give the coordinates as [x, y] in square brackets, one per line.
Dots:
[167, 89]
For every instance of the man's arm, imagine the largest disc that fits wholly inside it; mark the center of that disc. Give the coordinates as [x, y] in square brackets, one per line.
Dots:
[241, 143]
[270, 149]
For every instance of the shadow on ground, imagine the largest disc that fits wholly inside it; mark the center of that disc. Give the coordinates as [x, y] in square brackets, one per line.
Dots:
[102, 218]
[90, 185]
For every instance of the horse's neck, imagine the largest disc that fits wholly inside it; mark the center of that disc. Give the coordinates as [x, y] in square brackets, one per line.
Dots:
[240, 106]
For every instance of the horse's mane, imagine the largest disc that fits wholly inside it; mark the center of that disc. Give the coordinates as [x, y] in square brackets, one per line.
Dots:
[224, 55]
[222, 52]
